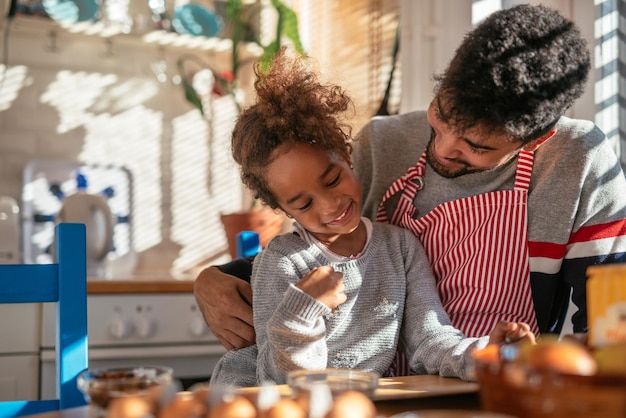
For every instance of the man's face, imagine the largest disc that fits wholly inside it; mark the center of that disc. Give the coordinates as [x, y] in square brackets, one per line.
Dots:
[452, 156]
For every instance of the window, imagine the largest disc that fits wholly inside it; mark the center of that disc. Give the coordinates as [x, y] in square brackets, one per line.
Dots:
[353, 42]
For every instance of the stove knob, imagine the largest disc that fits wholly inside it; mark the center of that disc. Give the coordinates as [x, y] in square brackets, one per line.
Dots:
[197, 326]
[144, 327]
[119, 328]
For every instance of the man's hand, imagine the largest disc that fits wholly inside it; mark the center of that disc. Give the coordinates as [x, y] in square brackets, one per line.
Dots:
[226, 304]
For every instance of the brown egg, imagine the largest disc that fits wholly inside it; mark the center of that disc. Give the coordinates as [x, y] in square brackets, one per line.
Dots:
[130, 406]
[184, 405]
[352, 404]
[285, 408]
[201, 395]
[562, 357]
[239, 407]
[302, 399]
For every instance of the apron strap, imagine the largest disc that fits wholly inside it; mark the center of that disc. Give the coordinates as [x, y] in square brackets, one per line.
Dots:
[524, 170]
[411, 181]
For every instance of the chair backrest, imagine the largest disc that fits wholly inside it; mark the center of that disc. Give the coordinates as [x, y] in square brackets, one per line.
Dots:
[64, 282]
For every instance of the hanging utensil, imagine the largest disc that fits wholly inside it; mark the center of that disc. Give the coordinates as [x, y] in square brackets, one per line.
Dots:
[383, 110]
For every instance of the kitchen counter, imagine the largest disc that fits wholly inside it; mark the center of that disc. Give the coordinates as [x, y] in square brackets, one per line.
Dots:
[165, 285]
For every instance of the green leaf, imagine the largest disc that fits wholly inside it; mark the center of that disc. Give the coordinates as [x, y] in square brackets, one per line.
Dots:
[288, 25]
[268, 53]
[190, 93]
[192, 97]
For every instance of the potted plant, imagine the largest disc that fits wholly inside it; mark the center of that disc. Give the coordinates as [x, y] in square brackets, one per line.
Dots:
[257, 217]
[240, 30]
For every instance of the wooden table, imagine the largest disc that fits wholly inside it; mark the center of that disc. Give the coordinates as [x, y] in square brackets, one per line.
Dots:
[414, 393]
[393, 395]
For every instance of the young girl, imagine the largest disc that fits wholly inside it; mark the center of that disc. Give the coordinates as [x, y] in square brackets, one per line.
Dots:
[339, 291]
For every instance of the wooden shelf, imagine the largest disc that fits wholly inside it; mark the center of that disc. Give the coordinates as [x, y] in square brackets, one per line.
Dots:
[44, 27]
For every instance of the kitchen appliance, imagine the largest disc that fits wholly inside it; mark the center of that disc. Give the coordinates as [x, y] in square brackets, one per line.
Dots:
[97, 195]
[9, 231]
[125, 330]
[93, 211]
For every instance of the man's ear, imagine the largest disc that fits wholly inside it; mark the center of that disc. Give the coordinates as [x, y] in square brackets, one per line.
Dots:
[536, 143]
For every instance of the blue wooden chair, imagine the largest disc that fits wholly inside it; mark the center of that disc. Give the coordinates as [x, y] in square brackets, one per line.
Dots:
[64, 282]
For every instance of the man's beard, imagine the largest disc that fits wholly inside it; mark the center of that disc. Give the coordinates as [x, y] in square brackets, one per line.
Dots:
[447, 171]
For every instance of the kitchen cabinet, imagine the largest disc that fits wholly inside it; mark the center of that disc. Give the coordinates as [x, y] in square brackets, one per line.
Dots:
[20, 326]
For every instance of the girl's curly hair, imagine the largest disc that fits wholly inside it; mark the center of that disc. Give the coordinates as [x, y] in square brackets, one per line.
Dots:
[515, 74]
[292, 106]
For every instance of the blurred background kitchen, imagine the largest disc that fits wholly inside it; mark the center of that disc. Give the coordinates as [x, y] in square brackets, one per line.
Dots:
[92, 102]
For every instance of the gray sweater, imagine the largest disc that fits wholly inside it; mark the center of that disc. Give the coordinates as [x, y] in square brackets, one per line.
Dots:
[391, 298]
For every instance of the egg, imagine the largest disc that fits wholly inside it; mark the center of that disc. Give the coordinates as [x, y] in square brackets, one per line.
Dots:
[130, 406]
[201, 394]
[285, 408]
[238, 407]
[352, 404]
[184, 405]
[562, 357]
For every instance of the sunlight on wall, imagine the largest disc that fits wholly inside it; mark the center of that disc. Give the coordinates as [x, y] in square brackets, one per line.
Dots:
[132, 139]
[11, 82]
[72, 94]
[204, 181]
[126, 134]
[605, 58]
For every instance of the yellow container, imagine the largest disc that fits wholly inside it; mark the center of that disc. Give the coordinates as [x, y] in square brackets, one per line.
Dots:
[606, 304]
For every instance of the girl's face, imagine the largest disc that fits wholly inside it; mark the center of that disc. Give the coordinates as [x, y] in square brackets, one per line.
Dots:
[317, 188]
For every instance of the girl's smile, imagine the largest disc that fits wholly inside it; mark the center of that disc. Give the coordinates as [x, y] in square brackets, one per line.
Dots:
[320, 191]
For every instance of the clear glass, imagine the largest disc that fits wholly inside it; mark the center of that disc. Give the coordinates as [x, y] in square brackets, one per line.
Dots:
[338, 380]
[100, 386]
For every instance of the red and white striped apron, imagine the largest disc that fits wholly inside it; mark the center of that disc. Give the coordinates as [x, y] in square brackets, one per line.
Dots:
[477, 288]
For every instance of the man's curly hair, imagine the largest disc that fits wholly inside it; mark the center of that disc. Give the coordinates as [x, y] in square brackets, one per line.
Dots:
[292, 106]
[515, 74]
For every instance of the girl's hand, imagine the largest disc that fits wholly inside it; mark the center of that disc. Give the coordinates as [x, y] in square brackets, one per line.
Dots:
[509, 332]
[325, 285]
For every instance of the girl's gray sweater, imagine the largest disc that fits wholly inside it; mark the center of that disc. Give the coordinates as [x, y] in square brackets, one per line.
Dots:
[391, 297]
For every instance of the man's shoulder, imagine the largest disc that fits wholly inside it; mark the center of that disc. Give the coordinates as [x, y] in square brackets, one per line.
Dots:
[577, 143]
[577, 134]
[395, 137]
[395, 123]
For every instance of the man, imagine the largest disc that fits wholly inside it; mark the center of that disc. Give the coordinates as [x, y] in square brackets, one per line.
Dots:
[511, 199]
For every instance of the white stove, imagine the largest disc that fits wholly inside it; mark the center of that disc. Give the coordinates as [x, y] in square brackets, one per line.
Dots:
[165, 329]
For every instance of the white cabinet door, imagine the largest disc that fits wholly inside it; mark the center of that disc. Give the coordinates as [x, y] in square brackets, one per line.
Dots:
[20, 327]
[19, 377]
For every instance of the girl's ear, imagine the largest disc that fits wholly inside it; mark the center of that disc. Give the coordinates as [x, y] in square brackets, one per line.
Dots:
[536, 143]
